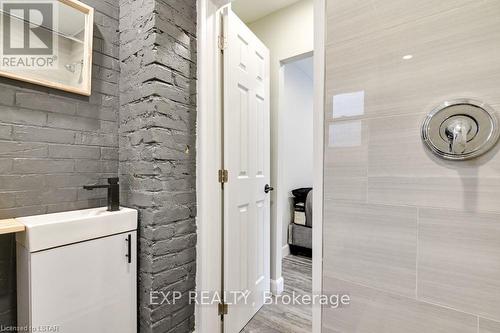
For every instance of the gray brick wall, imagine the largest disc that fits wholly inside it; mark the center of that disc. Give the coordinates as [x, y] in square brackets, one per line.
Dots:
[52, 143]
[157, 150]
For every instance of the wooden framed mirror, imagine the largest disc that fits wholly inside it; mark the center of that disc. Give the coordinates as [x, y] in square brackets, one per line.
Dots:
[47, 42]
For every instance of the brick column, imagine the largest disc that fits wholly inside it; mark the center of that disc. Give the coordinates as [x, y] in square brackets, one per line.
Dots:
[157, 151]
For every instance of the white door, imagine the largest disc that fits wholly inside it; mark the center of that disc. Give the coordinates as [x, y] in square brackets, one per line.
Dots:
[86, 287]
[247, 159]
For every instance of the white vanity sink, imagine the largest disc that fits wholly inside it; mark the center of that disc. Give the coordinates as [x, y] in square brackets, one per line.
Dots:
[53, 230]
[77, 271]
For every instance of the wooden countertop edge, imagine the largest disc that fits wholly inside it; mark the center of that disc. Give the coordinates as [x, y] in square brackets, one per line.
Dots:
[10, 226]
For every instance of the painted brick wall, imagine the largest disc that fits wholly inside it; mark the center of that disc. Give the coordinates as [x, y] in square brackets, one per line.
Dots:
[53, 143]
[157, 150]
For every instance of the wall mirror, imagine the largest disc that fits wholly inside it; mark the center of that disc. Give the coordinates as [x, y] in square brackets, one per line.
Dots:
[47, 42]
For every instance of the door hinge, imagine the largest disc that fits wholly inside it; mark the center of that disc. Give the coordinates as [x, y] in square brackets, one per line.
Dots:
[223, 176]
[222, 42]
[223, 309]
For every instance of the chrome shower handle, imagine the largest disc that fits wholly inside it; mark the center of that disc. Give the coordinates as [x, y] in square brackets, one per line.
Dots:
[457, 133]
[461, 129]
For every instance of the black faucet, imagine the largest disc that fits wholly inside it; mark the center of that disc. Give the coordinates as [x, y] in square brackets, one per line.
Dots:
[113, 193]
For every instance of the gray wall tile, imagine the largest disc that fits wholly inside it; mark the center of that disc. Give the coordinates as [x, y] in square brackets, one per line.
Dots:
[53, 143]
[372, 310]
[42, 134]
[72, 151]
[458, 260]
[379, 146]
[46, 136]
[11, 115]
[44, 102]
[488, 326]
[468, 193]
[71, 122]
[381, 249]
[5, 132]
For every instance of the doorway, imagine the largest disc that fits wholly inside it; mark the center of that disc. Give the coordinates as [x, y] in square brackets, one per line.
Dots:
[294, 157]
[210, 237]
[294, 182]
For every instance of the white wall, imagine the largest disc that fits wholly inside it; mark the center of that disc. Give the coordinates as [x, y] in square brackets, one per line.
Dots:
[287, 33]
[296, 133]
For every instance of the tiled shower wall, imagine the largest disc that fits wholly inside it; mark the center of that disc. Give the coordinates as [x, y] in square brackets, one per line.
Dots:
[415, 240]
[52, 143]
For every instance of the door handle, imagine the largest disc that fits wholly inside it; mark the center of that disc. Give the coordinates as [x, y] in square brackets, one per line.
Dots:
[268, 188]
[129, 248]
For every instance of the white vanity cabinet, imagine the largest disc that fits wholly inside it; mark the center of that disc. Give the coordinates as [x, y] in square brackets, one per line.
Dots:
[84, 282]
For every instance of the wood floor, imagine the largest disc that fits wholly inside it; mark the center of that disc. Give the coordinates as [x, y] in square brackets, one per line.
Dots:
[284, 318]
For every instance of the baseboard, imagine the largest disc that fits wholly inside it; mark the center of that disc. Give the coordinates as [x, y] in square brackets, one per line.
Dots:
[277, 286]
[285, 250]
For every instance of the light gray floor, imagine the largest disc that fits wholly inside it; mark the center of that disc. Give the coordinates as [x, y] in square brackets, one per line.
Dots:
[281, 318]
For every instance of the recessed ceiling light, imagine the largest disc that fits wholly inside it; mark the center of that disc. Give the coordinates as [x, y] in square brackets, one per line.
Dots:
[408, 57]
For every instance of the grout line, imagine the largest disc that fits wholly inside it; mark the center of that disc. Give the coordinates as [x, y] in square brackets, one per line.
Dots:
[479, 317]
[417, 254]
[375, 203]
[423, 301]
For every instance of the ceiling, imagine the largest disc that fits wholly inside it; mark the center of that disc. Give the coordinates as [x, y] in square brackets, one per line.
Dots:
[252, 10]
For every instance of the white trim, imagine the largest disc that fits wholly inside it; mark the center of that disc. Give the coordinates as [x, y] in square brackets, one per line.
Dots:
[319, 146]
[285, 250]
[277, 286]
[208, 191]
[277, 242]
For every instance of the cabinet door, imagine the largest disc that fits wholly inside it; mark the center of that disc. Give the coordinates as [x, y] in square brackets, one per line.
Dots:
[86, 287]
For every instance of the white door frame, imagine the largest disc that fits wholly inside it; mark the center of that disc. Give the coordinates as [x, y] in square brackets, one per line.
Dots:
[319, 148]
[209, 248]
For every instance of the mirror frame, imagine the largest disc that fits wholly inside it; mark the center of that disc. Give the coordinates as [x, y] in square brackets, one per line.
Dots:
[87, 55]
